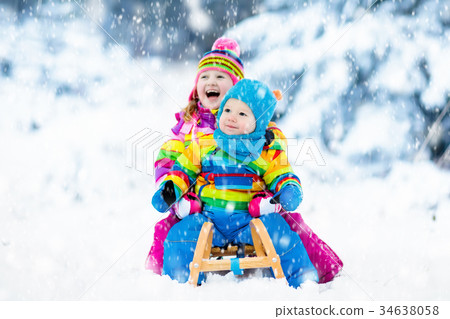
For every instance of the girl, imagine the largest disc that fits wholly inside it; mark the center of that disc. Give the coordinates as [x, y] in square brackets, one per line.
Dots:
[218, 71]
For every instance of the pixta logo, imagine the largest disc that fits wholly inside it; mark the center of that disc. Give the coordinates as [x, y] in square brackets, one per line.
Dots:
[302, 152]
[142, 150]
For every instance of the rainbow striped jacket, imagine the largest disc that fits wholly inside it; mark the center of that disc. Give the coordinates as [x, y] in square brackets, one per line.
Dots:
[204, 123]
[225, 184]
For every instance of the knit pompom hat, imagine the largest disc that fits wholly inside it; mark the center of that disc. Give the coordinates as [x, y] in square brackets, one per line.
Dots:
[224, 56]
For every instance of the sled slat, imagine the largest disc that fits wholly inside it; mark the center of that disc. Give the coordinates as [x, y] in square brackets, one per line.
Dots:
[231, 251]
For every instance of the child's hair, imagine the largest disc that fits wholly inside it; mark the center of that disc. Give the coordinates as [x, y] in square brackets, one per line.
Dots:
[223, 57]
[190, 109]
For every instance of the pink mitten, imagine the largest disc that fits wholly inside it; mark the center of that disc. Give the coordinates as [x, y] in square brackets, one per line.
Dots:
[188, 204]
[261, 205]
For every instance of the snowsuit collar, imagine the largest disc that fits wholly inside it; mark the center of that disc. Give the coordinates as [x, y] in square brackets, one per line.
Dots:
[203, 119]
[246, 147]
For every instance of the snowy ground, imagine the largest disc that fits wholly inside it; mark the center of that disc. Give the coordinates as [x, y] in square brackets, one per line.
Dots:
[76, 221]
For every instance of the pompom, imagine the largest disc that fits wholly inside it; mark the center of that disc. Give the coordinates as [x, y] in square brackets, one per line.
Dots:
[227, 44]
[278, 94]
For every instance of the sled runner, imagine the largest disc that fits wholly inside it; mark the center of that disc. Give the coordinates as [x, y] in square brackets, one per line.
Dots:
[261, 255]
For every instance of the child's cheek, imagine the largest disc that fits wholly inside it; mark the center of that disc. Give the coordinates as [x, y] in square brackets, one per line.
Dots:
[250, 127]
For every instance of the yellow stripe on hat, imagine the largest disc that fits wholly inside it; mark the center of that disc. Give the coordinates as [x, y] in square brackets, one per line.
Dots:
[214, 60]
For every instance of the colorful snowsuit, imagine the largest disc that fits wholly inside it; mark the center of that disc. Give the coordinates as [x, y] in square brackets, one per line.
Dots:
[226, 185]
[323, 257]
[203, 122]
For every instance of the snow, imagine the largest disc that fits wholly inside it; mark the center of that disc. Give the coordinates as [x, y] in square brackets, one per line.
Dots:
[76, 220]
[198, 19]
[341, 58]
[378, 126]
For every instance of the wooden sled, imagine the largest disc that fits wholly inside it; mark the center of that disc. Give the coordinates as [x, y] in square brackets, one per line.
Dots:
[261, 255]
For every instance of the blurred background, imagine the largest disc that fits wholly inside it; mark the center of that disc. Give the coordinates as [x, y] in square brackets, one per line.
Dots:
[389, 66]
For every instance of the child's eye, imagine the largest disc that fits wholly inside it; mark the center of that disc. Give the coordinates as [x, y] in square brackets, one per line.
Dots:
[203, 76]
[227, 110]
[242, 114]
[220, 77]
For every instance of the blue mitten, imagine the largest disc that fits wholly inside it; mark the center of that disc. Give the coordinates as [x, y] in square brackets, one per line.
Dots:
[290, 196]
[164, 197]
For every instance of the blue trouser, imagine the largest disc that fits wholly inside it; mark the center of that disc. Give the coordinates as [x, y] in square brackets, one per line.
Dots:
[181, 241]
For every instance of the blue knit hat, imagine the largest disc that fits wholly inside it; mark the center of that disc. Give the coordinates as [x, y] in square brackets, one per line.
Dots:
[262, 101]
[257, 96]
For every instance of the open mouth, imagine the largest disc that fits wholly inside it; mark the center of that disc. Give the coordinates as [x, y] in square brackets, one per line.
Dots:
[212, 93]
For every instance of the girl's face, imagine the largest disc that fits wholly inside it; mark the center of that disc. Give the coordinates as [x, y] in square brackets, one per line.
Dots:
[211, 88]
[237, 118]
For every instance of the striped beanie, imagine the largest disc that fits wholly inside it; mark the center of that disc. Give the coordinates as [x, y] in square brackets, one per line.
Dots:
[224, 56]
